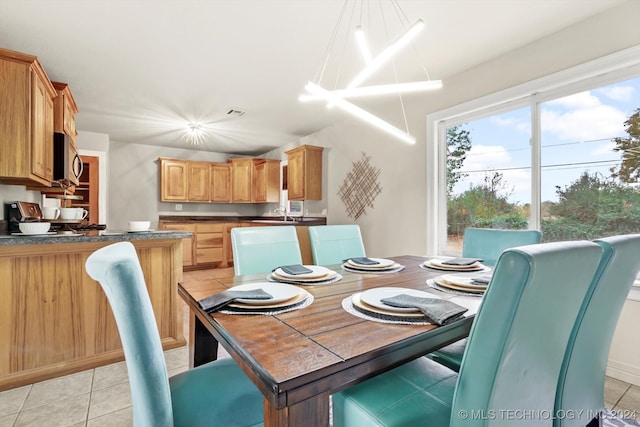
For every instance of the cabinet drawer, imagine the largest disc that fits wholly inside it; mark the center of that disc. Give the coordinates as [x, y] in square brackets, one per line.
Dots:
[217, 227]
[208, 255]
[209, 240]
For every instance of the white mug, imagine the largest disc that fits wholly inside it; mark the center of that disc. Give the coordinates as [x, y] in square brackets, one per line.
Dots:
[67, 213]
[81, 213]
[50, 213]
[73, 213]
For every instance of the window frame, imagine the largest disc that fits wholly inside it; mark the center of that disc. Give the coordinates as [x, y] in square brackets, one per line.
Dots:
[616, 67]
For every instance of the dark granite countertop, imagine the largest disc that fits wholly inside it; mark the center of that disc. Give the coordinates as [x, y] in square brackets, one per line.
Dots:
[91, 236]
[307, 220]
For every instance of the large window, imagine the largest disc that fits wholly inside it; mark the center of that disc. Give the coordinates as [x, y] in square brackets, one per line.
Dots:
[563, 159]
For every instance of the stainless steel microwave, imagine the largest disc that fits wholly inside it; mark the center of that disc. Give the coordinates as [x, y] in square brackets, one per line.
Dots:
[67, 164]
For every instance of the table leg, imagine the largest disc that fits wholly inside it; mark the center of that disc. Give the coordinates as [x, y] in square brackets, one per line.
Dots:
[203, 347]
[312, 412]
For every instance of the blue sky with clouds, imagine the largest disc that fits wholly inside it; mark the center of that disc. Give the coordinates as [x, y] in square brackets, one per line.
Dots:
[576, 136]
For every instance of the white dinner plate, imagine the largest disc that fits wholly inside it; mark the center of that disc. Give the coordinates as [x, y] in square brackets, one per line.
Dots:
[317, 271]
[438, 264]
[279, 291]
[460, 281]
[373, 297]
[382, 263]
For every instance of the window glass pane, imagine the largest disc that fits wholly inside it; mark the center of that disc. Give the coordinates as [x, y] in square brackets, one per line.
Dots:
[488, 174]
[584, 192]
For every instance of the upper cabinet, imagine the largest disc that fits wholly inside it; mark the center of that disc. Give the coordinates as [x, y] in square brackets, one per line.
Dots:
[26, 120]
[65, 110]
[241, 180]
[304, 173]
[173, 180]
[220, 182]
[266, 180]
[198, 182]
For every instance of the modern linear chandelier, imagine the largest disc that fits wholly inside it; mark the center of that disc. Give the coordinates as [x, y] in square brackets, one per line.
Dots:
[359, 35]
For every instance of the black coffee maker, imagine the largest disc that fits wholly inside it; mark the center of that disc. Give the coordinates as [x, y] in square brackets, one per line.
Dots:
[17, 212]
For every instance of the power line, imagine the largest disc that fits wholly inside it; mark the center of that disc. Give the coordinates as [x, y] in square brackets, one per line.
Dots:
[573, 166]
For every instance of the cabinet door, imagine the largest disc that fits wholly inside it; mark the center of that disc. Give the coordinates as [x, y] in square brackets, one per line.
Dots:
[220, 182]
[266, 181]
[241, 180]
[173, 180]
[260, 182]
[48, 139]
[40, 103]
[198, 182]
[295, 175]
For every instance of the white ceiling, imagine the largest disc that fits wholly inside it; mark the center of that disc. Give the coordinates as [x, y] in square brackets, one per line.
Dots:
[140, 69]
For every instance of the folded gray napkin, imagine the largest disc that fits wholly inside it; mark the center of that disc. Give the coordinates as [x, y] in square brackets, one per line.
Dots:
[217, 301]
[438, 311]
[362, 260]
[483, 279]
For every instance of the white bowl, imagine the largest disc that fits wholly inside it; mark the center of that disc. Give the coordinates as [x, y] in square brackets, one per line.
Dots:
[34, 227]
[139, 225]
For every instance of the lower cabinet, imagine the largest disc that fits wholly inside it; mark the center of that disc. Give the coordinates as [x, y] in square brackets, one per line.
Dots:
[209, 243]
[210, 246]
[188, 246]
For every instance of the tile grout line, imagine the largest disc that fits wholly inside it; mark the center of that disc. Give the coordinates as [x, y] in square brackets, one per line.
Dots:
[93, 377]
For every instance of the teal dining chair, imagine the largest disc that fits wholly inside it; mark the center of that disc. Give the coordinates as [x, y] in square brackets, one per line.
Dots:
[261, 249]
[486, 244]
[216, 393]
[513, 357]
[580, 395]
[331, 244]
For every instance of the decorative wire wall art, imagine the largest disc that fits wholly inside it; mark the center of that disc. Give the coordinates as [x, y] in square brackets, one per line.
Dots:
[360, 187]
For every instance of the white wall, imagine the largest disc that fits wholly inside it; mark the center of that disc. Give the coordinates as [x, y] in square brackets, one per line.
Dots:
[624, 356]
[134, 185]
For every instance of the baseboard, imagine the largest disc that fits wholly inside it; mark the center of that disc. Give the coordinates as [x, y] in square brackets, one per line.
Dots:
[624, 372]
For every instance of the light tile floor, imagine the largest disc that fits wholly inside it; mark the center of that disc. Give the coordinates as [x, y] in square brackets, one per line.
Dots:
[101, 397]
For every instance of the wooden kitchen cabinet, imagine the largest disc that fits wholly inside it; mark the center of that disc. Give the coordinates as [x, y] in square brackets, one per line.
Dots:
[65, 110]
[26, 120]
[220, 186]
[209, 243]
[241, 180]
[188, 243]
[266, 181]
[304, 173]
[173, 180]
[198, 182]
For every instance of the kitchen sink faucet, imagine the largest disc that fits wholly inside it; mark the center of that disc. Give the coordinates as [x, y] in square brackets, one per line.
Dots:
[283, 211]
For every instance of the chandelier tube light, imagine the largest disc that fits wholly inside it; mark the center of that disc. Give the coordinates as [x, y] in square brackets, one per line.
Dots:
[359, 113]
[362, 44]
[389, 89]
[387, 53]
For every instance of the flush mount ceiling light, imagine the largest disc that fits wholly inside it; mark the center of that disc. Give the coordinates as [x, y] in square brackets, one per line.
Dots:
[195, 133]
[362, 34]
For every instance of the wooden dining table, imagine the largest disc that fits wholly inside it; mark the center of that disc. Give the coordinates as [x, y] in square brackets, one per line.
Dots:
[299, 358]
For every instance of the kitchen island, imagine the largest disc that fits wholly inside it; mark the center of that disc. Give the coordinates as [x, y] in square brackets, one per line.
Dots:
[56, 320]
